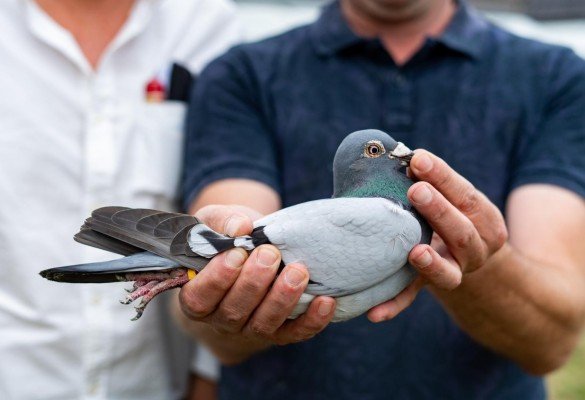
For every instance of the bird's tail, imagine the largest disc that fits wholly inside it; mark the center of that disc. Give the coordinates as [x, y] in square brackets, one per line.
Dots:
[123, 269]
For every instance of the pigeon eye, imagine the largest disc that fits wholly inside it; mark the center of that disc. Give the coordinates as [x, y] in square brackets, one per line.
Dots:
[374, 149]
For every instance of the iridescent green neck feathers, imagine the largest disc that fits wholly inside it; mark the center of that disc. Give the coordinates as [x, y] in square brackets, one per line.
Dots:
[388, 186]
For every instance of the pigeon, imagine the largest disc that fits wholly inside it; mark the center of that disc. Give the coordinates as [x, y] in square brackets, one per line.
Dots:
[355, 245]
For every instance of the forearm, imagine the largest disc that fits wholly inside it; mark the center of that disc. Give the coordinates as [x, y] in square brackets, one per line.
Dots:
[524, 309]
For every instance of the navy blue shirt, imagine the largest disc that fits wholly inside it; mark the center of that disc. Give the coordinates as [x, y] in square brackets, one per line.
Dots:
[501, 110]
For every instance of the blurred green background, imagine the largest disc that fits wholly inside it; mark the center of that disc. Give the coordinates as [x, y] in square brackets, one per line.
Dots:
[568, 383]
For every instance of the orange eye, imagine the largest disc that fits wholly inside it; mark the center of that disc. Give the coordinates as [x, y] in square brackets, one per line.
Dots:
[374, 149]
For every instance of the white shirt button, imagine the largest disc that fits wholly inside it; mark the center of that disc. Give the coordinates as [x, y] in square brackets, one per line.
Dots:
[96, 299]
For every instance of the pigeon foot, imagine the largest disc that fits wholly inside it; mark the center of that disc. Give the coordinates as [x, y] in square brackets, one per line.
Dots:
[147, 285]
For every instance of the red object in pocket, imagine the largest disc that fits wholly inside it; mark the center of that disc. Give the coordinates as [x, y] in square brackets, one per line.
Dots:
[155, 91]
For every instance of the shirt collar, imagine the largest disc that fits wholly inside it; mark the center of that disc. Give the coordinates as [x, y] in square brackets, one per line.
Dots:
[464, 32]
[54, 35]
[331, 33]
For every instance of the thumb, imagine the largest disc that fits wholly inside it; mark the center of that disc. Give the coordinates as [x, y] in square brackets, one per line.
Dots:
[231, 220]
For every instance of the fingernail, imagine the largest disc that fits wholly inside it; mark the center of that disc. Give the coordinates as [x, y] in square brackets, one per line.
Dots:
[325, 308]
[424, 260]
[294, 277]
[233, 224]
[423, 163]
[267, 257]
[422, 195]
[235, 258]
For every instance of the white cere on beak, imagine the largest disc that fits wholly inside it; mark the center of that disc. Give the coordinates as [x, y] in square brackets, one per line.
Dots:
[400, 151]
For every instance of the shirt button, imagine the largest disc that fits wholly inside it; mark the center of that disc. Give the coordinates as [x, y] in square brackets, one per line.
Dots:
[93, 388]
[96, 299]
[97, 119]
[104, 97]
[399, 80]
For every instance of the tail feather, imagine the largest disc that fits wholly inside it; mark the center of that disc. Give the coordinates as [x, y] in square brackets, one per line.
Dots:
[109, 271]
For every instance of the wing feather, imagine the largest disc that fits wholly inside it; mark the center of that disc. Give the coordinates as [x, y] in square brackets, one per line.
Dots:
[144, 229]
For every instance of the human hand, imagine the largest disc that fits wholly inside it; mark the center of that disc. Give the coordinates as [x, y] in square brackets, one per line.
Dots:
[468, 230]
[237, 293]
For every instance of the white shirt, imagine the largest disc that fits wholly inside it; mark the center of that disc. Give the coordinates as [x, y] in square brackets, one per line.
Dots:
[73, 139]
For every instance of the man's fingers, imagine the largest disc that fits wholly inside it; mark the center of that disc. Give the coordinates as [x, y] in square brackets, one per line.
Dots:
[393, 307]
[313, 321]
[200, 296]
[458, 232]
[230, 220]
[463, 195]
[458, 190]
[248, 291]
[280, 301]
[434, 268]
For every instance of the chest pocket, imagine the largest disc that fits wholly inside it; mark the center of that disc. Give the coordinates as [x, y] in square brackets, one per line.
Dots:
[158, 153]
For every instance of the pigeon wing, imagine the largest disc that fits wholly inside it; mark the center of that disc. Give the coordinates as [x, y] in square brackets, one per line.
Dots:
[89, 237]
[132, 230]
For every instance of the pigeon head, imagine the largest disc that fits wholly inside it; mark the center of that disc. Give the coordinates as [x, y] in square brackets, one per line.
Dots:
[370, 163]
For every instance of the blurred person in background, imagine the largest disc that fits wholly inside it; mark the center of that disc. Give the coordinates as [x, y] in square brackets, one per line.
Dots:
[504, 302]
[91, 114]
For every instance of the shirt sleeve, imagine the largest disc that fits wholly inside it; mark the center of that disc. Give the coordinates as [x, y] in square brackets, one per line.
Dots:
[555, 151]
[227, 134]
[205, 364]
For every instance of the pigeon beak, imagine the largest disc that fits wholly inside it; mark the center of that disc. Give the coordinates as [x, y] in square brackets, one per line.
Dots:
[402, 154]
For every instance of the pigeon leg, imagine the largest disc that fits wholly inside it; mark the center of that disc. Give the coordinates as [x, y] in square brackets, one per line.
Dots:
[162, 286]
[139, 291]
[142, 278]
[149, 284]
[136, 285]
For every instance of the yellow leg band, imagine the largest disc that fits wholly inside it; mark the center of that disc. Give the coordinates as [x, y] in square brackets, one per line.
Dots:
[191, 274]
